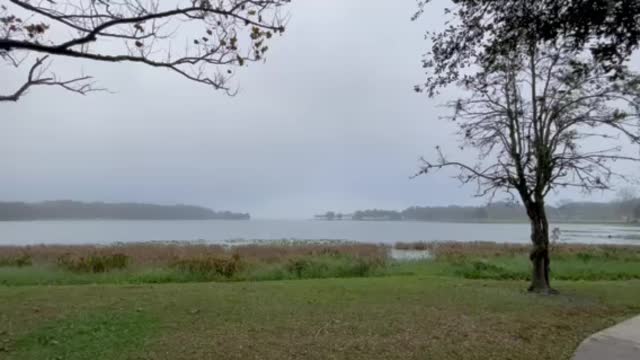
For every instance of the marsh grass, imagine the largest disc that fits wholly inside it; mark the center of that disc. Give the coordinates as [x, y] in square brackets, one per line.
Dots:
[334, 266]
[210, 267]
[94, 263]
[166, 253]
[179, 263]
[17, 261]
[184, 262]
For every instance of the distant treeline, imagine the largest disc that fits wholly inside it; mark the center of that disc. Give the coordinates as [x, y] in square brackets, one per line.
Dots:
[618, 211]
[75, 210]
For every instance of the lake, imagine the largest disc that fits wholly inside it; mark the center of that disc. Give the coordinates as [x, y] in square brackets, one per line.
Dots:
[219, 231]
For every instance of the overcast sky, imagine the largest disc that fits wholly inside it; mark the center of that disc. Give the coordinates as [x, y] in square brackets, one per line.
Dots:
[330, 121]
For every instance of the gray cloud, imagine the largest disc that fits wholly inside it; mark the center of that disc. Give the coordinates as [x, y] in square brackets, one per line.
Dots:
[329, 121]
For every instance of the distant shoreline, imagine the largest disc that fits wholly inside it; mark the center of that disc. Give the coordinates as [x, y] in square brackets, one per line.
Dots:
[118, 219]
[69, 210]
[496, 221]
[616, 212]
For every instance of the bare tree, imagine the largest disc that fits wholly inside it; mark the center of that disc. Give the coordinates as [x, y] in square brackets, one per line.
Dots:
[544, 116]
[200, 40]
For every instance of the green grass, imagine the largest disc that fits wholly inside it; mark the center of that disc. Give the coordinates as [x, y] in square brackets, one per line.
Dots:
[460, 306]
[569, 268]
[93, 335]
[574, 267]
[393, 317]
[497, 268]
[48, 275]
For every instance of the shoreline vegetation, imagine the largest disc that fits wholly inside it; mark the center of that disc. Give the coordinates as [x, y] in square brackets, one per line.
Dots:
[76, 210]
[168, 262]
[307, 300]
[489, 221]
[615, 212]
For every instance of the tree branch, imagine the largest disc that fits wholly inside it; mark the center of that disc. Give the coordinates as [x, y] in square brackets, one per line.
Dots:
[140, 24]
[80, 85]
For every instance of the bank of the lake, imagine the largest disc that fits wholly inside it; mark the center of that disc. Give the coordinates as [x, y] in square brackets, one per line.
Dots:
[140, 263]
[307, 300]
[399, 317]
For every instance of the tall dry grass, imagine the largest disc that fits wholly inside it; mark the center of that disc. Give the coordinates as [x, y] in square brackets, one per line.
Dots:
[163, 254]
[166, 254]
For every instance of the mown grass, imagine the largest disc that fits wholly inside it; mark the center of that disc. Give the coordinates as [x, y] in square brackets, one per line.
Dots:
[574, 269]
[405, 317]
[92, 335]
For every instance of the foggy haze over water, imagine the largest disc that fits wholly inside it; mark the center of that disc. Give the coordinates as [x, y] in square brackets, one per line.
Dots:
[330, 121]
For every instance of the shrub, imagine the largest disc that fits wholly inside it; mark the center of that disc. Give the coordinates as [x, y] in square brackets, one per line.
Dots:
[210, 267]
[309, 267]
[333, 266]
[365, 266]
[484, 270]
[20, 261]
[298, 266]
[583, 256]
[93, 263]
[328, 251]
[420, 246]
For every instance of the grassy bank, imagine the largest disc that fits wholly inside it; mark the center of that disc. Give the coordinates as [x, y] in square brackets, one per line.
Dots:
[350, 301]
[510, 262]
[407, 317]
[154, 263]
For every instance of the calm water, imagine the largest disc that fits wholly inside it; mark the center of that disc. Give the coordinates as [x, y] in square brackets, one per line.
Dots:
[216, 231]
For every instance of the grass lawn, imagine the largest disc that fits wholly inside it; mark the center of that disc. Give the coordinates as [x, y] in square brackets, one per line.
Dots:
[306, 301]
[401, 317]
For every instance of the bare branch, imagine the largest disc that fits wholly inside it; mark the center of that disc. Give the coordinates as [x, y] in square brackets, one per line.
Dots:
[528, 116]
[220, 34]
[80, 85]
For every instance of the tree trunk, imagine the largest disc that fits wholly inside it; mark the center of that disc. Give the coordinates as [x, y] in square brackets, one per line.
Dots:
[540, 253]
